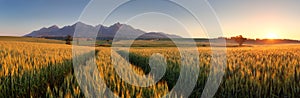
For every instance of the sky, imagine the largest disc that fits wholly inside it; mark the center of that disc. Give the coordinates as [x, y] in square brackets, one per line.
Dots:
[250, 18]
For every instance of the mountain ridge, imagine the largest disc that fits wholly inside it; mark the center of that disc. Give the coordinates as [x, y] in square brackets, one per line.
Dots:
[103, 32]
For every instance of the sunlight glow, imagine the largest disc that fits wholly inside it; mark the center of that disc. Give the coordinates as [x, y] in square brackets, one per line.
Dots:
[271, 35]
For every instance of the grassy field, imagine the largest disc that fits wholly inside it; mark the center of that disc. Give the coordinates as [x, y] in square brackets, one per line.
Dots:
[46, 70]
[28, 39]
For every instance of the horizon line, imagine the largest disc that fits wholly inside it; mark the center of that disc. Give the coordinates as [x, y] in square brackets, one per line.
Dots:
[187, 38]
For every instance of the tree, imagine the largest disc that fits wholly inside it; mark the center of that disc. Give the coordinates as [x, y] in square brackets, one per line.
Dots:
[239, 39]
[107, 41]
[69, 39]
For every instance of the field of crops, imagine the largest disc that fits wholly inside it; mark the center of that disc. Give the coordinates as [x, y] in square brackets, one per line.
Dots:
[46, 70]
[271, 71]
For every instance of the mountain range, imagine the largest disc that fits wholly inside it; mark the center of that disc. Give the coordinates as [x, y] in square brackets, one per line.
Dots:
[104, 32]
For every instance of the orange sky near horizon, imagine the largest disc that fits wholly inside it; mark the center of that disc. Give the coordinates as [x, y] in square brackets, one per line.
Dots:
[259, 18]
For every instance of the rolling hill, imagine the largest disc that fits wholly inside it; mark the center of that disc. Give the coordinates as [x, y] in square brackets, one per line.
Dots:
[27, 39]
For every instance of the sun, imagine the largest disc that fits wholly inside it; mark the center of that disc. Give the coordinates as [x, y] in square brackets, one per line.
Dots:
[271, 35]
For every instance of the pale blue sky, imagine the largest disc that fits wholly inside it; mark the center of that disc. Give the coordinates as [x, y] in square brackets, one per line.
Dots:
[251, 18]
[18, 17]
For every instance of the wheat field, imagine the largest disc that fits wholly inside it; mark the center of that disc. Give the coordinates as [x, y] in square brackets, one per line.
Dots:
[46, 70]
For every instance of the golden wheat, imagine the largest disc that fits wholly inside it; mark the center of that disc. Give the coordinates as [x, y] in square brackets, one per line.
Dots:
[46, 70]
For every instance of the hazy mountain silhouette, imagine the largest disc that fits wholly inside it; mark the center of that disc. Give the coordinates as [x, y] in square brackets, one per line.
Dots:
[123, 30]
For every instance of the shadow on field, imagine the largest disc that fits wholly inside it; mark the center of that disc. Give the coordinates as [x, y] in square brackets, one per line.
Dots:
[172, 71]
